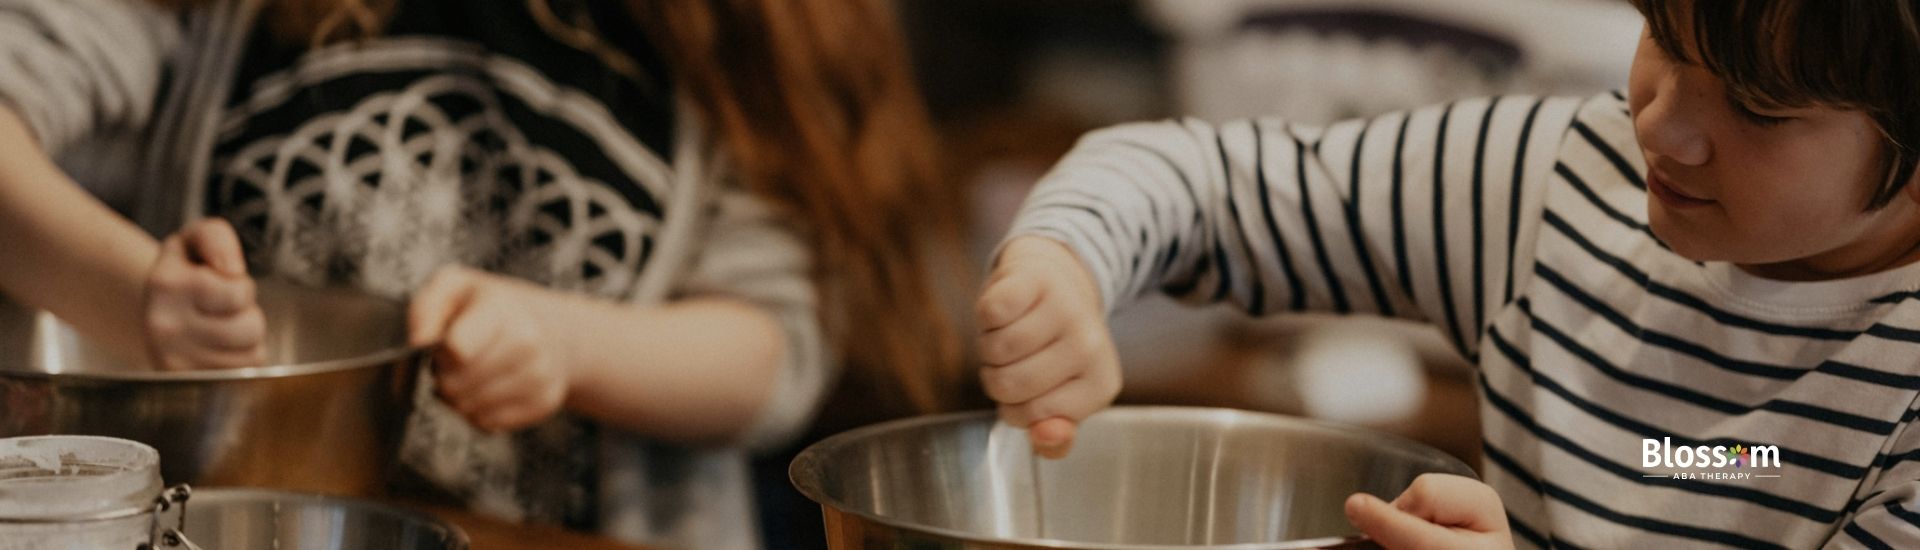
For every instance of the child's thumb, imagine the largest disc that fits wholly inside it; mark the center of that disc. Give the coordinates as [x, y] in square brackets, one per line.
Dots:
[214, 242]
[1391, 527]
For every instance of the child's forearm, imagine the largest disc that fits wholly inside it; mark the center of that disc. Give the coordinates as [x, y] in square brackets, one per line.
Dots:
[64, 251]
[696, 371]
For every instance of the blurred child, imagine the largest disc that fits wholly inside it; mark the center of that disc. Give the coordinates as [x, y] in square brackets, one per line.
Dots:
[640, 233]
[1722, 256]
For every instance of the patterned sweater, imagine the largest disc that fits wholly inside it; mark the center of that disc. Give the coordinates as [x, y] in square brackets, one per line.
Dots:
[464, 134]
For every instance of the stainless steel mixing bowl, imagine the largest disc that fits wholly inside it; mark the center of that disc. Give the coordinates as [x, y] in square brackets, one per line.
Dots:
[325, 417]
[1138, 478]
[252, 518]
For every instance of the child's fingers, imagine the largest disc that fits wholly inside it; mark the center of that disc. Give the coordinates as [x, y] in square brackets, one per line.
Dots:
[218, 294]
[1052, 437]
[243, 331]
[1034, 376]
[230, 359]
[1051, 418]
[486, 395]
[172, 275]
[173, 252]
[435, 305]
[1453, 501]
[455, 378]
[451, 378]
[475, 353]
[214, 242]
[501, 378]
[521, 414]
[1392, 527]
[1074, 400]
[471, 337]
[1026, 336]
[205, 358]
[1007, 300]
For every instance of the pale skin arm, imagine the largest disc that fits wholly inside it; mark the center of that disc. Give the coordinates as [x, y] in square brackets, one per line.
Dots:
[695, 371]
[64, 250]
[69, 254]
[511, 354]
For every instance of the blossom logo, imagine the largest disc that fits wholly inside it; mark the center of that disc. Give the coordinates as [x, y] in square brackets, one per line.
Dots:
[1704, 462]
[1740, 456]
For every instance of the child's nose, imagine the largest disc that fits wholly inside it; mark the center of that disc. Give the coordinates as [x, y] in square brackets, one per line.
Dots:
[1669, 127]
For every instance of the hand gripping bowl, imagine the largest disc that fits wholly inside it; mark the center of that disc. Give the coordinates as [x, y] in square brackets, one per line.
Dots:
[1139, 478]
[325, 416]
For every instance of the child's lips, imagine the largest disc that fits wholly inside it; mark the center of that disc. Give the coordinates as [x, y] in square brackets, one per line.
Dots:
[1672, 197]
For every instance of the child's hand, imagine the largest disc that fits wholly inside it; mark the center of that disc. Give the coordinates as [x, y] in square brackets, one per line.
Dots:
[200, 310]
[1050, 360]
[496, 364]
[1437, 512]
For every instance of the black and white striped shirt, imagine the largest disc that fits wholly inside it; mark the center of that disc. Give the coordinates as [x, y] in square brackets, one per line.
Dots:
[1518, 226]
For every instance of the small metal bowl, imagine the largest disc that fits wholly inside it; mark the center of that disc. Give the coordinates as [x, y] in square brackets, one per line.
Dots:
[255, 518]
[1139, 478]
[326, 415]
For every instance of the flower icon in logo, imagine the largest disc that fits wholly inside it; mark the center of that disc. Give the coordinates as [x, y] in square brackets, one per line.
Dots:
[1738, 455]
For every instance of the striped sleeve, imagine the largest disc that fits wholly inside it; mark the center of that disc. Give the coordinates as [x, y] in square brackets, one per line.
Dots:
[1420, 215]
[1888, 515]
[71, 67]
[1891, 519]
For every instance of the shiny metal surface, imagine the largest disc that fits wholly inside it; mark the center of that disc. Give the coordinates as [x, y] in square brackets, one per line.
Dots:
[254, 518]
[326, 416]
[1138, 478]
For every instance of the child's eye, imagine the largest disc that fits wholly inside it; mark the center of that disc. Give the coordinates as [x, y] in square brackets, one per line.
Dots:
[1760, 119]
[1757, 118]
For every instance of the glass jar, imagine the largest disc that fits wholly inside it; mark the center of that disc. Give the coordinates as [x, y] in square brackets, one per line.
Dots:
[73, 491]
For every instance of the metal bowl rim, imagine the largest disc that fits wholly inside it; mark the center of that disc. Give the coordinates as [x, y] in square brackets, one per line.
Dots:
[109, 515]
[246, 494]
[812, 454]
[218, 375]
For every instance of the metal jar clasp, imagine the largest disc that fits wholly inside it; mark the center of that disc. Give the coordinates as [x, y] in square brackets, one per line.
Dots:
[175, 536]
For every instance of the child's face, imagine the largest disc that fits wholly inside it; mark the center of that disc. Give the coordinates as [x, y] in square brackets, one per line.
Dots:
[1775, 189]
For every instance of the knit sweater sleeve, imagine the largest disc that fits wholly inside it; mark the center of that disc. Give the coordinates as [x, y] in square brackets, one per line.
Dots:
[70, 68]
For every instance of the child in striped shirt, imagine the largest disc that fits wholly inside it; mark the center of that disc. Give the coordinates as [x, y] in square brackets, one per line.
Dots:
[1721, 259]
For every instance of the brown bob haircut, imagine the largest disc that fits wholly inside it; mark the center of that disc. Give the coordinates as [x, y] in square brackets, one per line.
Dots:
[1848, 54]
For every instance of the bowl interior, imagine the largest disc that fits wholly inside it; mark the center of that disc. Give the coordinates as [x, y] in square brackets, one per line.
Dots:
[305, 325]
[1146, 476]
[251, 518]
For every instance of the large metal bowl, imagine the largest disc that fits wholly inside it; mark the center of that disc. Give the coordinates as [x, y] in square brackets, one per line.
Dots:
[1138, 478]
[252, 518]
[325, 417]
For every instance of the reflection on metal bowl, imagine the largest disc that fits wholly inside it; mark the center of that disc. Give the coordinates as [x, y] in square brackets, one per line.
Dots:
[251, 518]
[1138, 478]
[326, 416]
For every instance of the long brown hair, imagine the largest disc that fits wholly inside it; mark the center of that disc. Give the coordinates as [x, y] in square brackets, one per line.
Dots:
[815, 103]
[1861, 55]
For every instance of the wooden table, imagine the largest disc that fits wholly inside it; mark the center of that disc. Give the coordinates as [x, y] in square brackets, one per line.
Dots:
[492, 534]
